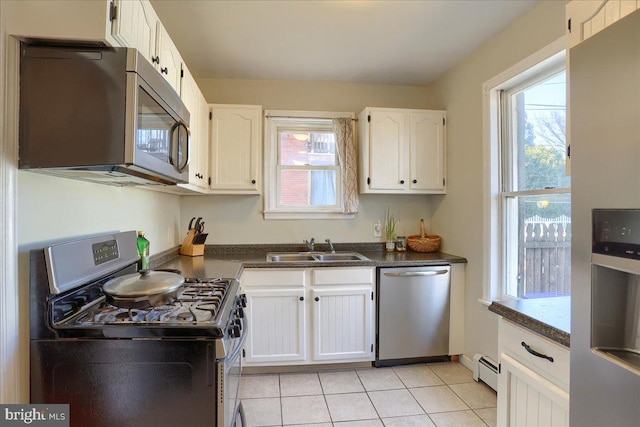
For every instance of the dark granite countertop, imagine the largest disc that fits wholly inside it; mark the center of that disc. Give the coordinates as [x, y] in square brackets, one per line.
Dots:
[221, 260]
[549, 317]
[203, 267]
[255, 256]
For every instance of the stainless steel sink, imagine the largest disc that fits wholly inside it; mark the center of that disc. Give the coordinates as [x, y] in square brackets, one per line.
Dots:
[348, 256]
[289, 257]
[315, 256]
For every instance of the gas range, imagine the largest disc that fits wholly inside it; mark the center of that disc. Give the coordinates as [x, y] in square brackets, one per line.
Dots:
[186, 354]
[200, 309]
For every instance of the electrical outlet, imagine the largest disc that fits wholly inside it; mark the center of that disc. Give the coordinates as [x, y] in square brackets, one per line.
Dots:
[377, 228]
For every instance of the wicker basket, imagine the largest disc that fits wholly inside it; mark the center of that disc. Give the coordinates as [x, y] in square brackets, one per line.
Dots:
[423, 242]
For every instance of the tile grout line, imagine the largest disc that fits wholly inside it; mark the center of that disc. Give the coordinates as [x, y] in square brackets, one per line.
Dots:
[379, 416]
[324, 397]
[280, 399]
[369, 397]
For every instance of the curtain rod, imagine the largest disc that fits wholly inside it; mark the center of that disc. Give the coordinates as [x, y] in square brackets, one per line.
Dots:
[299, 117]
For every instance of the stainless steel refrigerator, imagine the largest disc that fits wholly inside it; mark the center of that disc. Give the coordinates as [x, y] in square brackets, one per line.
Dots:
[604, 79]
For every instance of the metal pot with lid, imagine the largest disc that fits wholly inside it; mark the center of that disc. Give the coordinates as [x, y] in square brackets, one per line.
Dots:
[143, 289]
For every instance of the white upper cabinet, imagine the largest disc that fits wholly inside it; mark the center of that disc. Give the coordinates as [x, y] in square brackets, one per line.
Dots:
[426, 145]
[386, 151]
[402, 151]
[127, 23]
[134, 25]
[167, 59]
[137, 25]
[201, 161]
[587, 17]
[199, 131]
[63, 20]
[162, 53]
[235, 144]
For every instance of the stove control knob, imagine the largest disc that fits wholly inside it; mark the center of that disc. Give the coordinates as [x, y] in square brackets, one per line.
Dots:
[243, 300]
[234, 331]
[239, 313]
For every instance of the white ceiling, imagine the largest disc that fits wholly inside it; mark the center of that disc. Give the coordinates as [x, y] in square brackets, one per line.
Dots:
[381, 42]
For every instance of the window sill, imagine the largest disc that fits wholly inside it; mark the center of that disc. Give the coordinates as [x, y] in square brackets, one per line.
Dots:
[307, 215]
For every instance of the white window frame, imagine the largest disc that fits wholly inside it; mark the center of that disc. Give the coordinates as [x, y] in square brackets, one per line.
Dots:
[304, 121]
[548, 57]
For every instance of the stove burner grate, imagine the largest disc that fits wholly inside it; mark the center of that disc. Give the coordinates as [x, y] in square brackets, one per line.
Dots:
[199, 302]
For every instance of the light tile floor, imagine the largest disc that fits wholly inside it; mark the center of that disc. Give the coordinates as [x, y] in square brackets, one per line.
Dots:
[440, 394]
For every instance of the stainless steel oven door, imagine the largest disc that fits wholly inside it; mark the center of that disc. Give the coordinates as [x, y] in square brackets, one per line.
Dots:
[229, 373]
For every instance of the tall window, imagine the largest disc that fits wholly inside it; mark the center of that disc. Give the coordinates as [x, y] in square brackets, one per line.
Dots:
[534, 197]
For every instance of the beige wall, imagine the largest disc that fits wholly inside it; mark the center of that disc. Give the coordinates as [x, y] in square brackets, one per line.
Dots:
[315, 96]
[53, 209]
[458, 216]
[238, 219]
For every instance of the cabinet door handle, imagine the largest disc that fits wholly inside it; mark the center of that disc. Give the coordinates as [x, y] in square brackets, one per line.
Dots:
[402, 181]
[301, 298]
[535, 353]
[253, 181]
[155, 59]
[415, 181]
[164, 70]
[317, 298]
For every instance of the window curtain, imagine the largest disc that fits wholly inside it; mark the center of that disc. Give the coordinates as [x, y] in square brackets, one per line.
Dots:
[347, 155]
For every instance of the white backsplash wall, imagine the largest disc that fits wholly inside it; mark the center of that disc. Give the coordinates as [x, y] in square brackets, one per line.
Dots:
[52, 210]
[239, 220]
[56, 209]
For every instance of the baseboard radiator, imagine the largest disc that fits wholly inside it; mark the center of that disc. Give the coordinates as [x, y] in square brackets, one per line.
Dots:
[485, 370]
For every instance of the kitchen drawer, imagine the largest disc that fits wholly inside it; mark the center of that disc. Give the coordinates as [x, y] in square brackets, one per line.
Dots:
[341, 276]
[273, 277]
[511, 338]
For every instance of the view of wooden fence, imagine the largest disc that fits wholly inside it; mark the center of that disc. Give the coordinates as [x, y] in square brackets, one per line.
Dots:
[546, 259]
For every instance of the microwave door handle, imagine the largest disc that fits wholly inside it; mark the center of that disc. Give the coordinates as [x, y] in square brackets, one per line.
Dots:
[174, 149]
[186, 151]
[172, 145]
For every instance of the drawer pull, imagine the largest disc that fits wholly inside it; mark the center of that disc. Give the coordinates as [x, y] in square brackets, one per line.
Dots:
[535, 353]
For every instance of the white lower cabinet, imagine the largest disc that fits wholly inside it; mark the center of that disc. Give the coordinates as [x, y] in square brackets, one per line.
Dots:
[309, 316]
[277, 325]
[532, 390]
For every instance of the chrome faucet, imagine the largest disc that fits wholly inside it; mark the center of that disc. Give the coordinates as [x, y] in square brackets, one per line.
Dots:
[310, 244]
[331, 249]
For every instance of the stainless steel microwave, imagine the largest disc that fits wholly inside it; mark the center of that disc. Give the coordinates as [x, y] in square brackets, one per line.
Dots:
[102, 115]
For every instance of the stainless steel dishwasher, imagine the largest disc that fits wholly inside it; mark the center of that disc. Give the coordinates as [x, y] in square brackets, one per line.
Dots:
[413, 315]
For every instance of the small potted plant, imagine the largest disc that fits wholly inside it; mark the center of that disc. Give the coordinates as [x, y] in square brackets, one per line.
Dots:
[390, 230]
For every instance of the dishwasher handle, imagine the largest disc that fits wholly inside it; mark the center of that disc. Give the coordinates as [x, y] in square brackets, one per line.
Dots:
[415, 273]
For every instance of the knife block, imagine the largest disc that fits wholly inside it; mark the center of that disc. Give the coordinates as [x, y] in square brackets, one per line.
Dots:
[189, 248]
